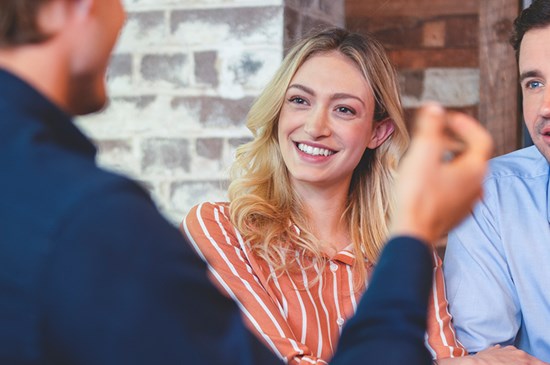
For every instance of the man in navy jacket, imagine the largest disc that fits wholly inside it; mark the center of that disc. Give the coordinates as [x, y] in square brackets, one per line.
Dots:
[90, 273]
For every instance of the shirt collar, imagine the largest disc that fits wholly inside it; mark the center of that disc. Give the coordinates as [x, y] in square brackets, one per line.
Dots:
[19, 95]
[345, 256]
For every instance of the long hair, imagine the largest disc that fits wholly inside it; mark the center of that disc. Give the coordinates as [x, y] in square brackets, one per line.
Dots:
[263, 205]
[18, 23]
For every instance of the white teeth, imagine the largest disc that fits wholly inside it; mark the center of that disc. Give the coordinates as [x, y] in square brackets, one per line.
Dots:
[314, 151]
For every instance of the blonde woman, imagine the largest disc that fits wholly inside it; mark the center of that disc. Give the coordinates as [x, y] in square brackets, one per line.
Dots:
[311, 198]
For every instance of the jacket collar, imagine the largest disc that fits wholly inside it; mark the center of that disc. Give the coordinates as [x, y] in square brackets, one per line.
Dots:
[16, 94]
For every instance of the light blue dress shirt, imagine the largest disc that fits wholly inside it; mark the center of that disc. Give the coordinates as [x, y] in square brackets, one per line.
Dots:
[497, 263]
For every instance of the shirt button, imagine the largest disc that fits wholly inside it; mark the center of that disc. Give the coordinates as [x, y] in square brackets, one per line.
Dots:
[340, 321]
[333, 267]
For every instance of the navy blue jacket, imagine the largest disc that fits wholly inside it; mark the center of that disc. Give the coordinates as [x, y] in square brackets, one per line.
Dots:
[90, 273]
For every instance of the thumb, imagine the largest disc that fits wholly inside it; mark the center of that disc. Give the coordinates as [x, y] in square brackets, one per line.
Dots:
[430, 121]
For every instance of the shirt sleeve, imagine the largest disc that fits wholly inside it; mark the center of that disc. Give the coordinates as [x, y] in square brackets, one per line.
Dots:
[122, 287]
[210, 232]
[481, 293]
[441, 341]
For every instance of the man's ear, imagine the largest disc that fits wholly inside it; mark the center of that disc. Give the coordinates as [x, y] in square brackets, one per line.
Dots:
[83, 7]
[54, 15]
[382, 130]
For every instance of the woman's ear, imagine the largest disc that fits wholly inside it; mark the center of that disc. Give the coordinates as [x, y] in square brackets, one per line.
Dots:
[382, 130]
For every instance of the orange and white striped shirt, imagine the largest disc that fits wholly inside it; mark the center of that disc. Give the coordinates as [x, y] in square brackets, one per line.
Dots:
[299, 318]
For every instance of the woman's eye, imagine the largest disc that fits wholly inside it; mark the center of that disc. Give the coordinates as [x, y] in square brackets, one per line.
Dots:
[297, 100]
[345, 110]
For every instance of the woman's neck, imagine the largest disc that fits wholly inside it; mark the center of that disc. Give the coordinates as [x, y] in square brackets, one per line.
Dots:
[325, 209]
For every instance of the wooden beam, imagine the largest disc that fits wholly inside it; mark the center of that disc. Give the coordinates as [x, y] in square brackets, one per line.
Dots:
[422, 8]
[498, 105]
[418, 59]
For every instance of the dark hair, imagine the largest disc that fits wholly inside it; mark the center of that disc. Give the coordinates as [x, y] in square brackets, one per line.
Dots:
[537, 15]
[18, 22]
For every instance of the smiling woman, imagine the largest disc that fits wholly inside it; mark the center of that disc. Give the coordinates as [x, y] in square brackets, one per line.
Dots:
[326, 126]
[311, 198]
[261, 174]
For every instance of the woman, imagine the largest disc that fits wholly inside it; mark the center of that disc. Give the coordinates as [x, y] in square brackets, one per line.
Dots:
[311, 198]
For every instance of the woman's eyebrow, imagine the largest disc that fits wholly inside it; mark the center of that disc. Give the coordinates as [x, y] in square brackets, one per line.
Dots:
[346, 96]
[303, 88]
[333, 97]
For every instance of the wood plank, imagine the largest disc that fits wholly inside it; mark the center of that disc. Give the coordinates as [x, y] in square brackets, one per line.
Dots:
[412, 8]
[498, 109]
[418, 59]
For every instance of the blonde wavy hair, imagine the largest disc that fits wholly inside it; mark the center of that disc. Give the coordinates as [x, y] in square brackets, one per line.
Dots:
[264, 207]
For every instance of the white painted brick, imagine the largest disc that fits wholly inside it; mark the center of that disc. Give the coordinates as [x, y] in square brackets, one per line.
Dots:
[207, 159]
[143, 31]
[452, 87]
[119, 156]
[161, 72]
[232, 143]
[165, 157]
[253, 25]
[127, 117]
[185, 195]
[214, 112]
[243, 70]
[204, 168]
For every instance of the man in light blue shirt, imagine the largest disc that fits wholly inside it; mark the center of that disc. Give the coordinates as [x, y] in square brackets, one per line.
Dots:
[497, 264]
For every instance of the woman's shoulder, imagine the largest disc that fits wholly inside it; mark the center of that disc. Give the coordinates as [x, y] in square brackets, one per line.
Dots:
[208, 211]
[209, 207]
[208, 226]
[206, 214]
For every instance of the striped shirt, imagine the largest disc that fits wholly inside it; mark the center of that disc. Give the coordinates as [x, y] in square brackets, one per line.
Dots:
[298, 317]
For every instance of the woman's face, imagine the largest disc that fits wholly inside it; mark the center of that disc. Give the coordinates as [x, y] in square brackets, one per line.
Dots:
[326, 122]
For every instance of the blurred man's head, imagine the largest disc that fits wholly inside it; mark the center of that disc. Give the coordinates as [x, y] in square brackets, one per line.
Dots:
[18, 22]
[76, 36]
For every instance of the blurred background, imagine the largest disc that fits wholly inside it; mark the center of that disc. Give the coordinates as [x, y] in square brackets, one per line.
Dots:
[185, 73]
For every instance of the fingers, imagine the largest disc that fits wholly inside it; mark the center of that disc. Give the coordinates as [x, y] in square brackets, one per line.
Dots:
[506, 355]
[430, 121]
[428, 138]
[436, 192]
[477, 147]
[468, 130]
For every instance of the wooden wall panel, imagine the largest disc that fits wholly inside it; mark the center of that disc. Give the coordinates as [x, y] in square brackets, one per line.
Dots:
[413, 7]
[498, 109]
[422, 34]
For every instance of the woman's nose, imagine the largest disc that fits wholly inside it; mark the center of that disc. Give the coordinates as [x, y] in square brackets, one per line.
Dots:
[317, 124]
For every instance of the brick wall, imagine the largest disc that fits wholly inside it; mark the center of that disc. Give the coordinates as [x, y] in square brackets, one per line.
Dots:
[433, 43]
[181, 81]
